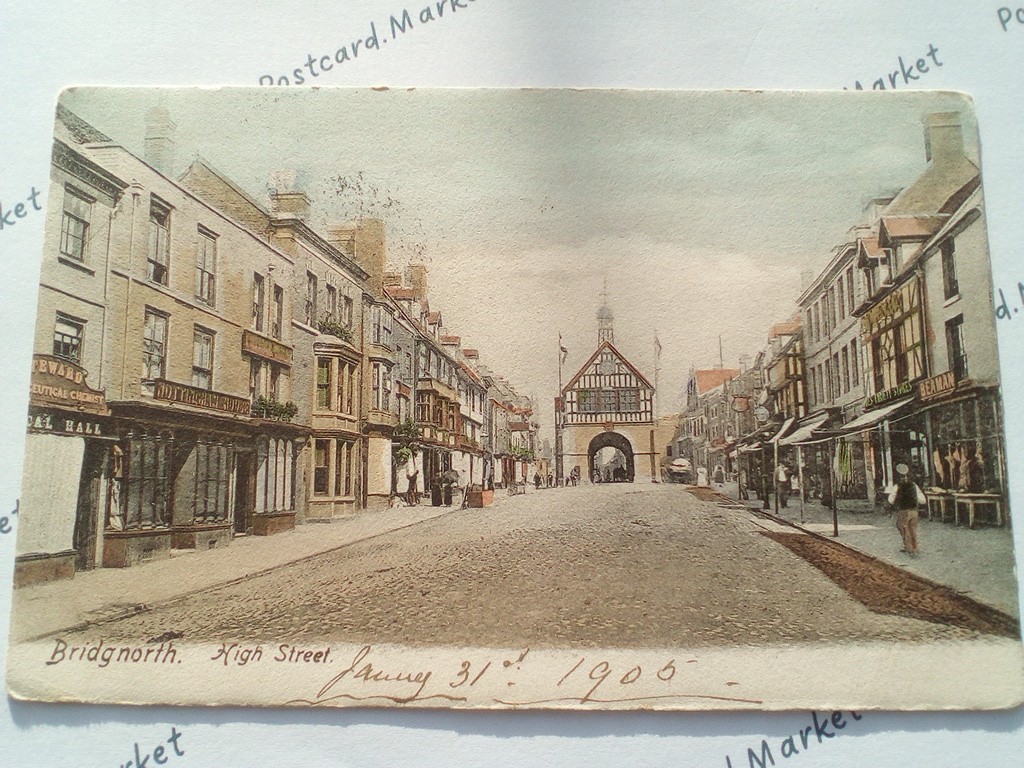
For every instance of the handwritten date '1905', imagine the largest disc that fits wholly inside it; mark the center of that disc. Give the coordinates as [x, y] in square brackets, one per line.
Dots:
[372, 675]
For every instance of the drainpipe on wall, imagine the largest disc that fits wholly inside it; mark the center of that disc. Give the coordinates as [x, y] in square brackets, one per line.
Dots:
[136, 190]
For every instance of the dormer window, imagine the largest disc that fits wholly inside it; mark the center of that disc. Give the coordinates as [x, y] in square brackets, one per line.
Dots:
[886, 268]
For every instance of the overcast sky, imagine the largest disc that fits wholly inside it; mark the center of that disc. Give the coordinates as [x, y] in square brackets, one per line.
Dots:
[700, 209]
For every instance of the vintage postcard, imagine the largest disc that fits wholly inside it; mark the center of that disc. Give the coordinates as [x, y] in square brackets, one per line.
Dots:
[516, 399]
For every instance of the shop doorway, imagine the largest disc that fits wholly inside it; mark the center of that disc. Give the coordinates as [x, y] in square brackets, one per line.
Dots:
[245, 492]
[87, 512]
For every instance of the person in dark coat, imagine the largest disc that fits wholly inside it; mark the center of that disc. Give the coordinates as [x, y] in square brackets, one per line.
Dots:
[906, 496]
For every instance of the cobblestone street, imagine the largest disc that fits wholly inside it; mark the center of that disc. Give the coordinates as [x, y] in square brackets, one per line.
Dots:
[611, 566]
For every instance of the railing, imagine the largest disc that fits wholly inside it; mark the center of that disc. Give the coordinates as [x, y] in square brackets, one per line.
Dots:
[637, 417]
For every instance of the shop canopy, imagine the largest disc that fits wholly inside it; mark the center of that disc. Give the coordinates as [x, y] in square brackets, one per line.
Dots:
[872, 418]
[785, 428]
[804, 431]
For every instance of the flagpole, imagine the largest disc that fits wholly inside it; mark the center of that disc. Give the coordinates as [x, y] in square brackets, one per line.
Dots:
[657, 374]
[559, 353]
[655, 402]
[559, 468]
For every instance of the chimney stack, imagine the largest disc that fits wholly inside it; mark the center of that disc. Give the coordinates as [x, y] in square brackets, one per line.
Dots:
[943, 138]
[363, 242]
[418, 281]
[159, 145]
[744, 362]
[343, 237]
[286, 201]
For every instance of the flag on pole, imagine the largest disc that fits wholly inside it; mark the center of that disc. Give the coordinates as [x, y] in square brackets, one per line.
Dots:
[657, 346]
[562, 349]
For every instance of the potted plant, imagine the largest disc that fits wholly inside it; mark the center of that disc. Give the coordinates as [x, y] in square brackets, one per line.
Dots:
[273, 409]
[328, 325]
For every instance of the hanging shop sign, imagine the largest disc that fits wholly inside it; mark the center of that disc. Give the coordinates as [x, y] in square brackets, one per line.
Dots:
[60, 383]
[201, 398]
[886, 395]
[268, 349]
[740, 403]
[937, 386]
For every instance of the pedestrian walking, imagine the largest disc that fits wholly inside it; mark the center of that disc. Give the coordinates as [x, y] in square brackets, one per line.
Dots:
[782, 484]
[412, 496]
[766, 487]
[536, 480]
[906, 496]
[551, 480]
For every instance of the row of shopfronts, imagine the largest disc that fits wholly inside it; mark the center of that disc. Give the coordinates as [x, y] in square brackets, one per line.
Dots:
[122, 483]
[206, 368]
[890, 360]
[950, 437]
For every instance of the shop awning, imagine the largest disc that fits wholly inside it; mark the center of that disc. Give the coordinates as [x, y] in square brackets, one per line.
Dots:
[871, 418]
[804, 431]
[750, 448]
[785, 428]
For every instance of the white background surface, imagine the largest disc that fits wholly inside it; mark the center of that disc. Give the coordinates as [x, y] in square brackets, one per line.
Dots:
[750, 44]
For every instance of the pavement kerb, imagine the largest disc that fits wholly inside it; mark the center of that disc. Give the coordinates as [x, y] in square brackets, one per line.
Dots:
[138, 608]
[758, 510]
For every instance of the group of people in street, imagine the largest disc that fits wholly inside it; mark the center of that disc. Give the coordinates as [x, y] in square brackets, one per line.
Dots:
[784, 482]
[904, 497]
[550, 481]
[543, 481]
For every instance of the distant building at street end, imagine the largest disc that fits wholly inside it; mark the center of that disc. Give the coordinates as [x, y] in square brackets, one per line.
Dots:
[606, 427]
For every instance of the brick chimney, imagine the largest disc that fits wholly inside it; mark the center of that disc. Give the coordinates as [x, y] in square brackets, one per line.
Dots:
[289, 205]
[418, 280]
[943, 138]
[363, 242]
[159, 146]
[343, 237]
[287, 202]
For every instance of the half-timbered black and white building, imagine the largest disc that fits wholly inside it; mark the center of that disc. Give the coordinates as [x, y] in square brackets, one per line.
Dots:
[606, 415]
